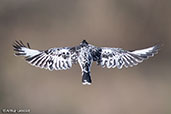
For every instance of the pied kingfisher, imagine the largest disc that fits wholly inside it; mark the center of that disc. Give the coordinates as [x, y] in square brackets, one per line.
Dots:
[62, 58]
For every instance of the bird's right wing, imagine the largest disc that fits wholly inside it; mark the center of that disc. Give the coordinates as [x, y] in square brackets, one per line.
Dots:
[117, 57]
[52, 59]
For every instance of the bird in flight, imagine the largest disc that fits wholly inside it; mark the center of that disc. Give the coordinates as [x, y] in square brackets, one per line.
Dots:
[62, 58]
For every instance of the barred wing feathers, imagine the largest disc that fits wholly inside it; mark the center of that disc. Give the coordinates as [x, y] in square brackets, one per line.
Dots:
[52, 59]
[117, 57]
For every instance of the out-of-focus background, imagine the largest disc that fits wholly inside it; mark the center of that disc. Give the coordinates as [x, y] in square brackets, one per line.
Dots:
[129, 24]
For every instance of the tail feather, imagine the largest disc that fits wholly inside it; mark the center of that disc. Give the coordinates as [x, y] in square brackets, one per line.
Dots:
[86, 79]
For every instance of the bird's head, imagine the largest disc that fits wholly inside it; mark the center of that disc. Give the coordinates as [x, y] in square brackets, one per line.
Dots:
[84, 42]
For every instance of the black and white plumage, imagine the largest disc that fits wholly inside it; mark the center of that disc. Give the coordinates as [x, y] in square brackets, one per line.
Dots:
[63, 58]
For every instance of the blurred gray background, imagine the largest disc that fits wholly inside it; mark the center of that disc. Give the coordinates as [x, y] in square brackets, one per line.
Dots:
[129, 24]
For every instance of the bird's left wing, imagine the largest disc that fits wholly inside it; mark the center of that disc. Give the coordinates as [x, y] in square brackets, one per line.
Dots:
[117, 57]
[52, 59]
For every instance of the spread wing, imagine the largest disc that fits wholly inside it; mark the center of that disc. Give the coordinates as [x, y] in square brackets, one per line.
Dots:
[117, 57]
[52, 59]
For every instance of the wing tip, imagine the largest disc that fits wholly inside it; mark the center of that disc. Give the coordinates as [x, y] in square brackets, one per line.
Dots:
[17, 47]
[156, 48]
[18, 44]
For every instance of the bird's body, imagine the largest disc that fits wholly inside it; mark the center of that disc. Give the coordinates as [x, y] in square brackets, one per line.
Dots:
[84, 54]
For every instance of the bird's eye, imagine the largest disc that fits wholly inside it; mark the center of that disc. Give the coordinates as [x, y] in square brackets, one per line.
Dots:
[63, 53]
